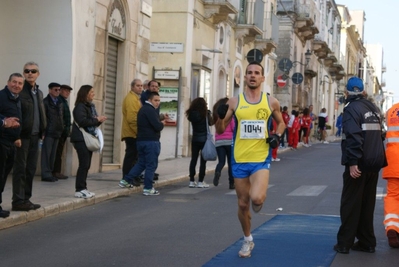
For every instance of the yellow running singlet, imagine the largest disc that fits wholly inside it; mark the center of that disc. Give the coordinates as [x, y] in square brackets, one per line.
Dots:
[252, 123]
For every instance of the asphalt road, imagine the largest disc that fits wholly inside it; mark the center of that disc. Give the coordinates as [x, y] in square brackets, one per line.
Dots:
[185, 226]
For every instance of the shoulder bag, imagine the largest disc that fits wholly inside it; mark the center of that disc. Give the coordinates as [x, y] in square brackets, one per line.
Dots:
[209, 150]
[92, 142]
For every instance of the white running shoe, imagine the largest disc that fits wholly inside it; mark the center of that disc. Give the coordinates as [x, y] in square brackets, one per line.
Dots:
[192, 184]
[83, 194]
[276, 159]
[202, 185]
[325, 142]
[247, 247]
[150, 192]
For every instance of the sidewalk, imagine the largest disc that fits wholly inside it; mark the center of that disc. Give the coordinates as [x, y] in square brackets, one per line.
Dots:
[59, 197]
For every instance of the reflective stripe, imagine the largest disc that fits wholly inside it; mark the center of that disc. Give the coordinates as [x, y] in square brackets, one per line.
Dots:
[371, 126]
[391, 216]
[392, 140]
[391, 224]
[393, 128]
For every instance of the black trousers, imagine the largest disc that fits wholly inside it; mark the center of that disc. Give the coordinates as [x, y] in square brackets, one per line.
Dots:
[196, 148]
[7, 152]
[131, 155]
[84, 157]
[357, 209]
[24, 169]
[58, 154]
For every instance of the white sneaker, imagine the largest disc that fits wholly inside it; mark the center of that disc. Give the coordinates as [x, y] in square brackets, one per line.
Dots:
[150, 192]
[276, 159]
[83, 194]
[325, 142]
[192, 184]
[202, 185]
[305, 145]
[247, 247]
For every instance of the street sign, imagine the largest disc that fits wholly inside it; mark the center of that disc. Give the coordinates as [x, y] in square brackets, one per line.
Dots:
[255, 55]
[285, 64]
[297, 78]
[280, 81]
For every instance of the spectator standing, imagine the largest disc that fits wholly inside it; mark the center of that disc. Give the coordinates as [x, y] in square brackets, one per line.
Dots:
[149, 129]
[391, 174]
[10, 129]
[321, 125]
[312, 116]
[64, 94]
[290, 137]
[286, 118]
[305, 128]
[251, 149]
[363, 157]
[294, 130]
[130, 108]
[33, 125]
[153, 86]
[223, 146]
[86, 117]
[55, 126]
[198, 114]
[338, 124]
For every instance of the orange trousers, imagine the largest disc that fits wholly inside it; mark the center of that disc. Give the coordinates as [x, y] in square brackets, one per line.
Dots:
[391, 205]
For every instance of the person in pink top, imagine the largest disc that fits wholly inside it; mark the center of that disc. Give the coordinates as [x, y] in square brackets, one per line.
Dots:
[223, 146]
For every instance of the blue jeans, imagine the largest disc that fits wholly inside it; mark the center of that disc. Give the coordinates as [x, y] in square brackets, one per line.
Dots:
[223, 152]
[148, 160]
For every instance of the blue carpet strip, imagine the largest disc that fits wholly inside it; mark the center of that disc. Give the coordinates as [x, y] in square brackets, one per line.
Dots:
[286, 240]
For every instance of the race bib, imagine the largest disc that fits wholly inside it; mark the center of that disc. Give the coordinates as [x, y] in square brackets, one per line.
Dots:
[252, 129]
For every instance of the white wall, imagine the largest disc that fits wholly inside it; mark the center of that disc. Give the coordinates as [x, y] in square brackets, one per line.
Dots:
[40, 31]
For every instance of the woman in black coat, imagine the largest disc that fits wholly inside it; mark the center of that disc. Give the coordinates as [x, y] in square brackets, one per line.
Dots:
[84, 115]
[197, 114]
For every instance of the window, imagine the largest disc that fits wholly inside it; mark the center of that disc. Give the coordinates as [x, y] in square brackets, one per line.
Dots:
[221, 35]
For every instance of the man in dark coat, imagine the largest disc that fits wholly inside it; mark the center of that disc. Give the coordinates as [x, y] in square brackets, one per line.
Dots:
[149, 129]
[32, 130]
[10, 108]
[363, 156]
[55, 126]
[64, 94]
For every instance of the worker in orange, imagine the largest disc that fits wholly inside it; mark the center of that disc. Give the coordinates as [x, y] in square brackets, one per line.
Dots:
[391, 174]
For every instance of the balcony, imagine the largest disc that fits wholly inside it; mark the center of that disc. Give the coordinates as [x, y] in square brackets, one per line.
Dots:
[329, 60]
[218, 10]
[265, 45]
[305, 17]
[338, 70]
[320, 48]
[248, 32]
[269, 39]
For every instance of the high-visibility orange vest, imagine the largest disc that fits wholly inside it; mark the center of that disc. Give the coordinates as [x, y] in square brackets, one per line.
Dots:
[392, 143]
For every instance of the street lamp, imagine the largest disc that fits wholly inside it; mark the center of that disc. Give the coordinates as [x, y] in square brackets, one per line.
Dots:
[308, 54]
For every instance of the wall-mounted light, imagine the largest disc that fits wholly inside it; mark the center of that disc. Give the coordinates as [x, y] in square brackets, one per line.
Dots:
[308, 54]
[210, 50]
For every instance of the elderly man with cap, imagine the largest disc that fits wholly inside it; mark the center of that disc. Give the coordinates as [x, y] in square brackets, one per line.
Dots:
[363, 156]
[64, 94]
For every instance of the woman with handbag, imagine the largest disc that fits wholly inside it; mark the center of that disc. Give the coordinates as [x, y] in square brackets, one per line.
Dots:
[200, 118]
[86, 118]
